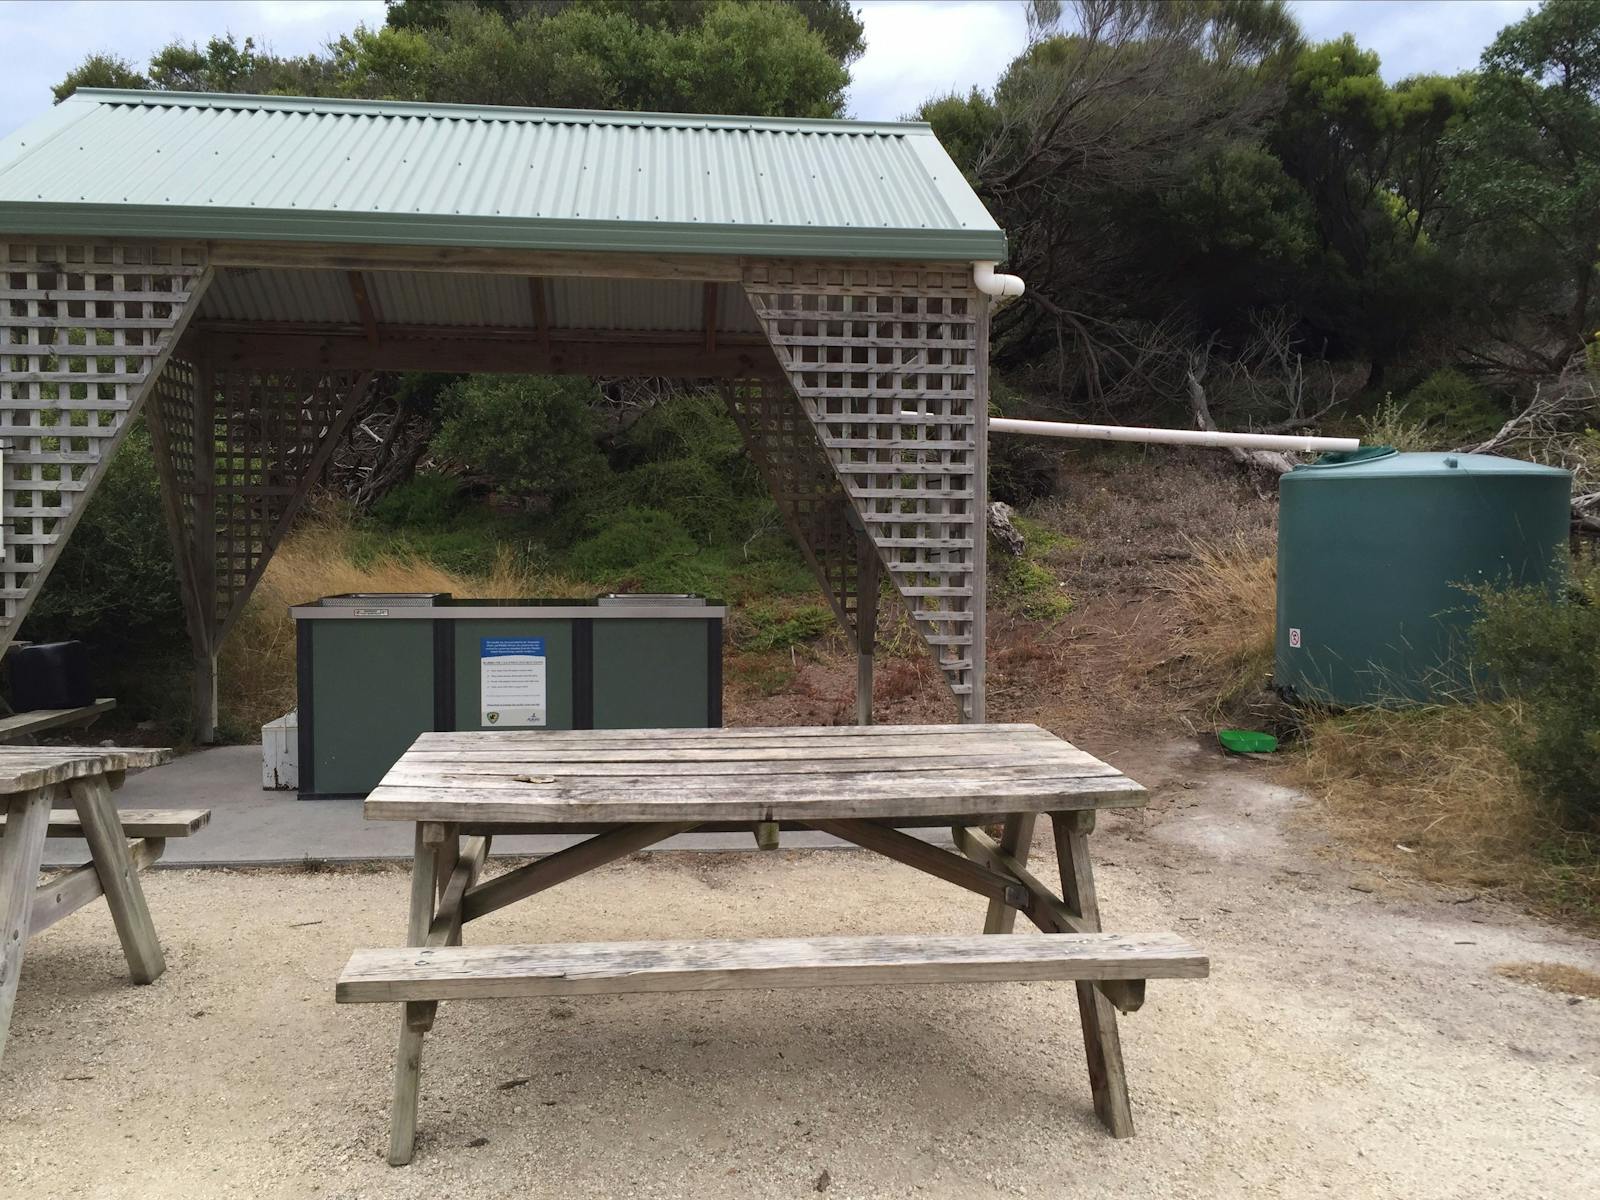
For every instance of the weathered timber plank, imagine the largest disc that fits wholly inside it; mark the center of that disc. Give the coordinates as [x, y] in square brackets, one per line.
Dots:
[445, 929]
[1102, 1043]
[785, 732]
[925, 857]
[41, 719]
[506, 972]
[531, 878]
[26, 768]
[1016, 839]
[67, 893]
[408, 1054]
[846, 797]
[477, 260]
[119, 878]
[777, 759]
[20, 852]
[1043, 908]
[641, 780]
[136, 822]
[822, 773]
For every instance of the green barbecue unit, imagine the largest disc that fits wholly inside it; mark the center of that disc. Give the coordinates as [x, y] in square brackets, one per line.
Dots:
[1375, 551]
[375, 670]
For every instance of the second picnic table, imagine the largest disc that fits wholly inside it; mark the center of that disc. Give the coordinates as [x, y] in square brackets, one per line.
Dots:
[634, 788]
[65, 791]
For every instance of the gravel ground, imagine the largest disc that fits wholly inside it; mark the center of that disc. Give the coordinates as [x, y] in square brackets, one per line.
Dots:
[1354, 1040]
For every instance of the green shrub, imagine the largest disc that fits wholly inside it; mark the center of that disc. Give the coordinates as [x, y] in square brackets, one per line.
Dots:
[1544, 651]
[533, 436]
[1452, 409]
[114, 583]
[637, 548]
[781, 627]
[427, 501]
[1026, 583]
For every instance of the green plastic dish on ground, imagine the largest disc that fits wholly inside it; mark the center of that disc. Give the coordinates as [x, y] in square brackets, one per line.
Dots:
[1247, 741]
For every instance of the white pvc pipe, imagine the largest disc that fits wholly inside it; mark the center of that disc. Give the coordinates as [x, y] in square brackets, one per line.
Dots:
[1174, 437]
[990, 284]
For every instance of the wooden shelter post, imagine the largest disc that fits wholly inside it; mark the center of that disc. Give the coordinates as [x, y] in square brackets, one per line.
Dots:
[203, 551]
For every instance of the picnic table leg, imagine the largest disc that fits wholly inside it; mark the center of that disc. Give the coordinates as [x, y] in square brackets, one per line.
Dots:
[21, 851]
[1016, 838]
[119, 878]
[1102, 1045]
[414, 1017]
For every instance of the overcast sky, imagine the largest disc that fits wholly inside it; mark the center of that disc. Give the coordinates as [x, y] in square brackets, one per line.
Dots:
[914, 50]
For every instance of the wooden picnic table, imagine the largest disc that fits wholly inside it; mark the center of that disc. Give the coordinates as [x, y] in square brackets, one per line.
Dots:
[33, 781]
[634, 788]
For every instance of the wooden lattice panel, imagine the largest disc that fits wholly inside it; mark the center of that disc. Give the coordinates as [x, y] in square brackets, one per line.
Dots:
[808, 493]
[241, 450]
[84, 330]
[885, 363]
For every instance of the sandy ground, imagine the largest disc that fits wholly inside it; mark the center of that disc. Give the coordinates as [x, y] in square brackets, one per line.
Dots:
[1354, 1040]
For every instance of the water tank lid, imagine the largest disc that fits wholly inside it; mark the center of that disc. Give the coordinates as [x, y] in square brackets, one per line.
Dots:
[1387, 462]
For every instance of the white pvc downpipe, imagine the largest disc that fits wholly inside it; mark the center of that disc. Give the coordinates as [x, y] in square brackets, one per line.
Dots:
[1174, 437]
[990, 284]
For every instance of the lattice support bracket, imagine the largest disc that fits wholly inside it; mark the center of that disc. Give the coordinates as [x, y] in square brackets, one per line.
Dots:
[85, 329]
[890, 366]
[809, 496]
[239, 452]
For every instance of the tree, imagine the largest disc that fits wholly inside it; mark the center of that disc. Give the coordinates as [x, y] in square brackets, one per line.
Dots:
[1529, 186]
[773, 58]
[1082, 139]
[1373, 160]
[100, 71]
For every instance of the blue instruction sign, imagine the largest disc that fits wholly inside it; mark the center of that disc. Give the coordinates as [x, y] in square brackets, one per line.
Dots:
[512, 681]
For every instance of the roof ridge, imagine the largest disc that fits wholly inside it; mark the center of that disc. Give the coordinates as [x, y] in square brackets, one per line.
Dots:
[492, 112]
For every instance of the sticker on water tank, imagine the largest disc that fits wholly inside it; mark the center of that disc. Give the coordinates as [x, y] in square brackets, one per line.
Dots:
[512, 682]
[1294, 638]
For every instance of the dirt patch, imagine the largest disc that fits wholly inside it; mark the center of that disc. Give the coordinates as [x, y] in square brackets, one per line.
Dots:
[1352, 1043]
[1115, 672]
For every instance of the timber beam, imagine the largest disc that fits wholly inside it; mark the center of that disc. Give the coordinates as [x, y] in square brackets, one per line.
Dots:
[476, 260]
[555, 353]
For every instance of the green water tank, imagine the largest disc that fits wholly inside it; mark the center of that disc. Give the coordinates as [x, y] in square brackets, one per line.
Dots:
[1373, 549]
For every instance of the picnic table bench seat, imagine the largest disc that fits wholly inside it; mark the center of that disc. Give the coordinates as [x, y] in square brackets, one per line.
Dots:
[38, 720]
[136, 822]
[611, 968]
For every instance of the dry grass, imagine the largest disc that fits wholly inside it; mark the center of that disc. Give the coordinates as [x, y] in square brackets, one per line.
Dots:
[1561, 978]
[257, 668]
[1434, 789]
[1227, 593]
[1430, 785]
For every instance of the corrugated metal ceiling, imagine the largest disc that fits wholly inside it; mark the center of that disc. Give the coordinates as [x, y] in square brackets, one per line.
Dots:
[265, 168]
[483, 301]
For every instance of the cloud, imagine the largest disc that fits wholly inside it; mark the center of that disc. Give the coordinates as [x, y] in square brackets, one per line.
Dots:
[918, 50]
[1413, 37]
[40, 43]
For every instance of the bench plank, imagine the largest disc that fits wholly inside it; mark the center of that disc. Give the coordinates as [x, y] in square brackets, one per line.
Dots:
[24, 768]
[605, 968]
[136, 822]
[40, 719]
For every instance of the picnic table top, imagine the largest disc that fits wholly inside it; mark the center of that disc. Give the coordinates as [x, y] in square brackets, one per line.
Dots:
[24, 768]
[746, 774]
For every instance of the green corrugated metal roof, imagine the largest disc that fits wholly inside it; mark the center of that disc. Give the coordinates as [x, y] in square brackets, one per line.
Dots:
[173, 164]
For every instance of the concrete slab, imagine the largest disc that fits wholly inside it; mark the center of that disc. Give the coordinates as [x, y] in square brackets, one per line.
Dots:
[253, 827]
